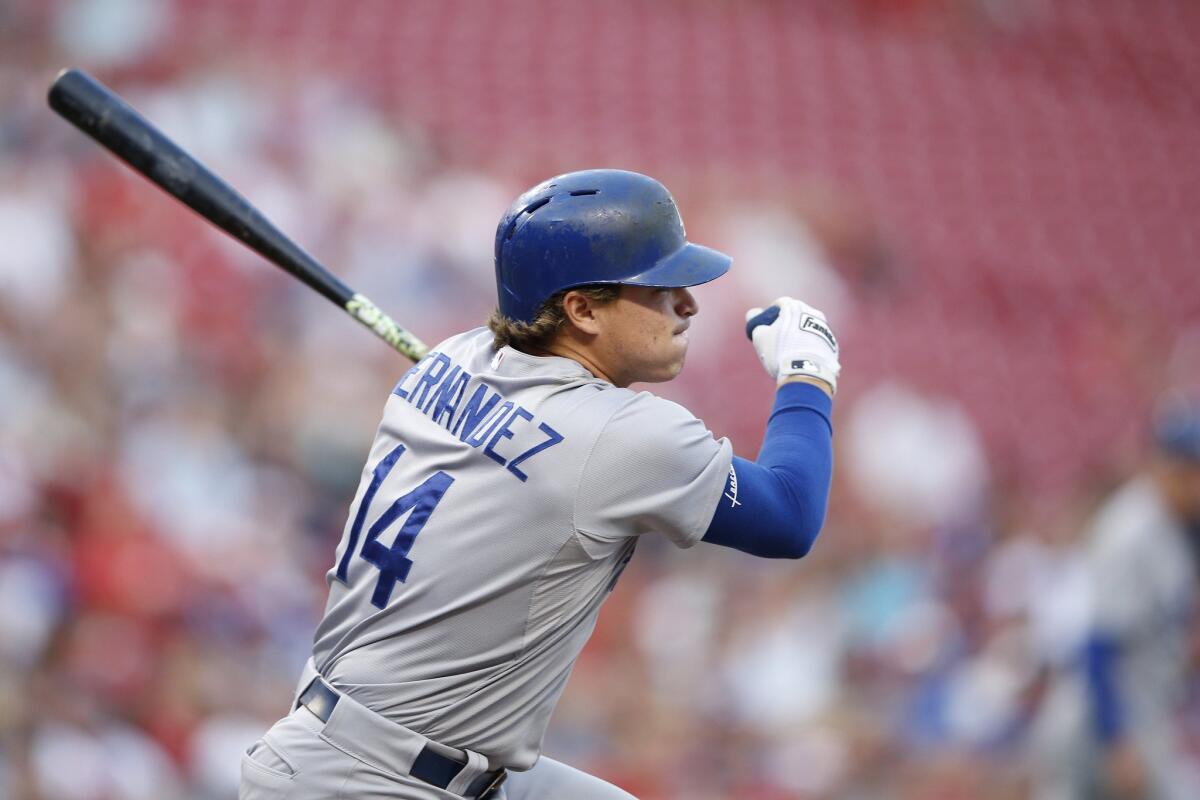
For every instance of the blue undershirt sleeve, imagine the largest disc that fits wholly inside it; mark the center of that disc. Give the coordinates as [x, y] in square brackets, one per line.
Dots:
[1100, 666]
[774, 507]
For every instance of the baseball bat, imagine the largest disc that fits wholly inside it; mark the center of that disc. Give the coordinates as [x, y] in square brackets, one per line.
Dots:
[100, 113]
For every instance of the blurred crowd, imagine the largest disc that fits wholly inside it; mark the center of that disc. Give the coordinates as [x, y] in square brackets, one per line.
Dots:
[182, 429]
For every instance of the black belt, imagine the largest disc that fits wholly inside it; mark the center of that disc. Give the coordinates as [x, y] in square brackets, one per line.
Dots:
[433, 768]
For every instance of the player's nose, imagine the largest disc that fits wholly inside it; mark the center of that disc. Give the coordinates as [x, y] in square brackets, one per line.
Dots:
[685, 303]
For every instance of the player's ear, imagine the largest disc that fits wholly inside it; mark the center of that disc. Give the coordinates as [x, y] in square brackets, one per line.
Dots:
[580, 311]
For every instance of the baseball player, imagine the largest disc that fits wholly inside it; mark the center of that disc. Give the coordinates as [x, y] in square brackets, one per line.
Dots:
[510, 480]
[1116, 715]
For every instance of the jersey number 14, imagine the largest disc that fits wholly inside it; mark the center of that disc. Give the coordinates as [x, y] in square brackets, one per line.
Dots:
[393, 562]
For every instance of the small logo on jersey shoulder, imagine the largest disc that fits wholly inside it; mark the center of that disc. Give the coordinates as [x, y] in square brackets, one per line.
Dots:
[731, 489]
[496, 359]
[817, 326]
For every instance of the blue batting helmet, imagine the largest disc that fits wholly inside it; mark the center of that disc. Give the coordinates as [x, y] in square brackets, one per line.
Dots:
[596, 226]
[1177, 430]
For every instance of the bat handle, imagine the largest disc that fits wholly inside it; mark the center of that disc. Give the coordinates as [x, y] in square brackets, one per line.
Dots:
[369, 314]
[765, 317]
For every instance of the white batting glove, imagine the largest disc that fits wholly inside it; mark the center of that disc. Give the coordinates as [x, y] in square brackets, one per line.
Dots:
[793, 338]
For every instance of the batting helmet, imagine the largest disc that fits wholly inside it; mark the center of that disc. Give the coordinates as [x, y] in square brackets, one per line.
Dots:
[596, 226]
[1177, 430]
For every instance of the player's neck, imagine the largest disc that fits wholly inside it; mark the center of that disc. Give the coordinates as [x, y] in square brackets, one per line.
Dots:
[566, 347]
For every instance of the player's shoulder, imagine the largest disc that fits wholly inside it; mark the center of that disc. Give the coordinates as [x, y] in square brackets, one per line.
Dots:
[646, 420]
[630, 404]
[1132, 521]
[474, 344]
[1139, 560]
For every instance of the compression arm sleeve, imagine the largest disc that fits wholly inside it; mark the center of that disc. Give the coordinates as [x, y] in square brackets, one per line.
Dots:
[774, 507]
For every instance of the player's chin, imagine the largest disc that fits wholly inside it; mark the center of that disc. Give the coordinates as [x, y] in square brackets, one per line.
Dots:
[681, 352]
[671, 367]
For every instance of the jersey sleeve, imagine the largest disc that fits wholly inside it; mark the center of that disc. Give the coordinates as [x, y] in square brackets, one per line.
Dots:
[653, 468]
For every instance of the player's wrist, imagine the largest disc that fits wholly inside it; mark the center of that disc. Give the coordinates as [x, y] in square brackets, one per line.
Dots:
[822, 384]
[810, 365]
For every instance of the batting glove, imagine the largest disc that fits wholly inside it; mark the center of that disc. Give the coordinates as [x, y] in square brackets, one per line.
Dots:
[793, 338]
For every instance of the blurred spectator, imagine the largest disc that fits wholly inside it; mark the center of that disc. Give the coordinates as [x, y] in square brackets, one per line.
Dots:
[37, 264]
[918, 458]
[111, 32]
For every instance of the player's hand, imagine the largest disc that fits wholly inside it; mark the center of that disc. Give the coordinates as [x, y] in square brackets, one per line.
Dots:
[1124, 772]
[793, 338]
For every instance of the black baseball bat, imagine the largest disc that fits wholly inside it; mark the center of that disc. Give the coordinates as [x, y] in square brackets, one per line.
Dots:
[100, 113]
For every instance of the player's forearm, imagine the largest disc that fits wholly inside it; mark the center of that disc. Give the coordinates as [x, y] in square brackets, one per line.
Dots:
[774, 507]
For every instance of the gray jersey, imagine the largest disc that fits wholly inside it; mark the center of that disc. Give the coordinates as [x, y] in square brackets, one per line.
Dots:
[503, 495]
[1143, 598]
[1143, 583]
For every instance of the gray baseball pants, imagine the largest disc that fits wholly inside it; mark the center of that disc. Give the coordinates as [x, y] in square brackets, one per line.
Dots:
[359, 755]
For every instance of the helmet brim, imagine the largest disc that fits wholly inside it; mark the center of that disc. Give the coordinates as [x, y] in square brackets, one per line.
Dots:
[690, 265]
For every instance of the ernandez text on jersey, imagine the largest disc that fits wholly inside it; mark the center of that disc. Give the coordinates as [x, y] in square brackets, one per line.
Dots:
[436, 386]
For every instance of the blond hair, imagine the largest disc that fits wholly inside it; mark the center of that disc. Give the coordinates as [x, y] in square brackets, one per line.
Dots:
[532, 336]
